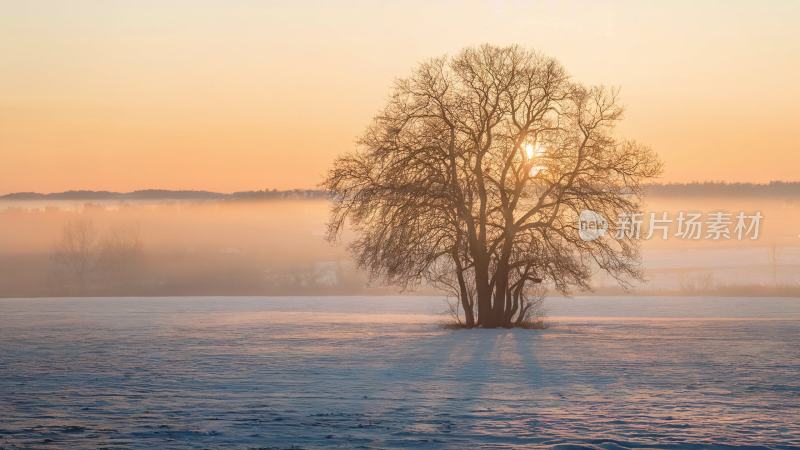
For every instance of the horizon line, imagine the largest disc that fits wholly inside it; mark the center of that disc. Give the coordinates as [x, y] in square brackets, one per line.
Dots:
[21, 195]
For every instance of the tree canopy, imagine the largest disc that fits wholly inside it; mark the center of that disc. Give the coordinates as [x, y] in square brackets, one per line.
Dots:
[473, 176]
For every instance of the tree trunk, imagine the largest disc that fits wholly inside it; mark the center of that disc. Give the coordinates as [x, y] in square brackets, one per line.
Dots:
[485, 313]
[500, 293]
[501, 281]
[469, 314]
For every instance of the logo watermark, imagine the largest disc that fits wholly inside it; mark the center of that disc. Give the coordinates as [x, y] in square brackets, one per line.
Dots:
[685, 225]
[591, 225]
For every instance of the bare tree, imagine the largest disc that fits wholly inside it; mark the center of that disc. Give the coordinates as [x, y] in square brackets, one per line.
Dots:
[87, 262]
[473, 177]
[119, 260]
[73, 257]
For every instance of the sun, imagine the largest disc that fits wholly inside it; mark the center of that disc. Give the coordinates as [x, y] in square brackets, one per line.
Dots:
[533, 151]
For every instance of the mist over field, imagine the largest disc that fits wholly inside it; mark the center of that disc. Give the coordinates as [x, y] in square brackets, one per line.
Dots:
[55, 247]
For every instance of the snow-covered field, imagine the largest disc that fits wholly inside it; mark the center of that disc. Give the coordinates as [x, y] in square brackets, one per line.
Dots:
[380, 372]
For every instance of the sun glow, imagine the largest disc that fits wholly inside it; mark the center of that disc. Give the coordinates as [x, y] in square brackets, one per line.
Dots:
[529, 151]
[534, 150]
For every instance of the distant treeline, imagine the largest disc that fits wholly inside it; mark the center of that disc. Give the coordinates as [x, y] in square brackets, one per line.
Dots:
[710, 188]
[164, 194]
[722, 189]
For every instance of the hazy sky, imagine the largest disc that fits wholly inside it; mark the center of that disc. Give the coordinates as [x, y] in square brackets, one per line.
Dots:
[233, 95]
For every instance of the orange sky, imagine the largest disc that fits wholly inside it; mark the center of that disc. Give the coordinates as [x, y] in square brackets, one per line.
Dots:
[236, 95]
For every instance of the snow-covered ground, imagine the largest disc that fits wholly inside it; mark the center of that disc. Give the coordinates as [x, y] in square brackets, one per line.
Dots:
[380, 372]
